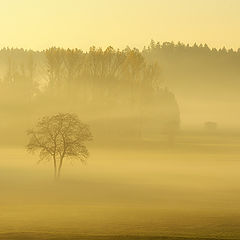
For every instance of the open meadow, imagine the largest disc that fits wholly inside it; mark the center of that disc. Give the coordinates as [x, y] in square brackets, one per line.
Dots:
[136, 190]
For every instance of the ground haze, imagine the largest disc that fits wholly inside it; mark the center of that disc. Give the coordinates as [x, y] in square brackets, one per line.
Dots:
[148, 189]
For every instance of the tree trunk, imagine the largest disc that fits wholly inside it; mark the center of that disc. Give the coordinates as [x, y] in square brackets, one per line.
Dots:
[59, 168]
[55, 167]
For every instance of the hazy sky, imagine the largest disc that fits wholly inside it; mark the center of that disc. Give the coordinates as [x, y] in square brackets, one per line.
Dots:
[40, 24]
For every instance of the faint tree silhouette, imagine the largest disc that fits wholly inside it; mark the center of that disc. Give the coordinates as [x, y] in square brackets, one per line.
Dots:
[58, 137]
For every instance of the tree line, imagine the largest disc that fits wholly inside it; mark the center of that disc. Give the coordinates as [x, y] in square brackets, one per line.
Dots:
[95, 83]
[110, 74]
[107, 74]
[188, 67]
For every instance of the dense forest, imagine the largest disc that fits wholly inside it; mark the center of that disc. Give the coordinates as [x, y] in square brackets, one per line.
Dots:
[128, 87]
[205, 80]
[195, 65]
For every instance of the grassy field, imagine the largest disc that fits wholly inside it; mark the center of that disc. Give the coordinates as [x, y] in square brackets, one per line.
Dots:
[53, 236]
[138, 190]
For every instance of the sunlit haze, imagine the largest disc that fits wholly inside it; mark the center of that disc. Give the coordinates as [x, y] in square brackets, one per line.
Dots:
[119, 119]
[82, 23]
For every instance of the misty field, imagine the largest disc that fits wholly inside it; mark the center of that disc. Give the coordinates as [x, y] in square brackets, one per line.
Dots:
[188, 190]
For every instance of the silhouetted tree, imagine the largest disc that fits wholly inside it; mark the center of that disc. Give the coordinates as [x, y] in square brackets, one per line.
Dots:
[58, 137]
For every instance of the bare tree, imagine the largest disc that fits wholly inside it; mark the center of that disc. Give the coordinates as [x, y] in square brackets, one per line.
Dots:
[58, 137]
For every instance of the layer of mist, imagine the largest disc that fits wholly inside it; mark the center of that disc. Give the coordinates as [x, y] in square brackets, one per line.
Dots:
[164, 160]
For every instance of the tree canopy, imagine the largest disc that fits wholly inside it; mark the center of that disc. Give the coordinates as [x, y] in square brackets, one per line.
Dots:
[58, 137]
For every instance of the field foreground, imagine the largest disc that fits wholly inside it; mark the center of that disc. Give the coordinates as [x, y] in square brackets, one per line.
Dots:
[49, 236]
[140, 192]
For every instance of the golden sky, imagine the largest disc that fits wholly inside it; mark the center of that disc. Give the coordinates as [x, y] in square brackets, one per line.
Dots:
[39, 24]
